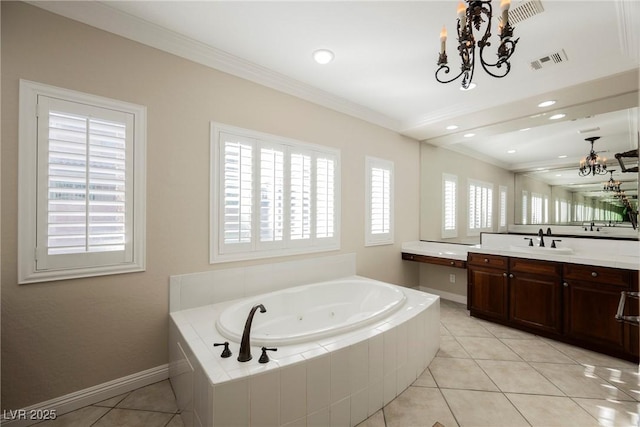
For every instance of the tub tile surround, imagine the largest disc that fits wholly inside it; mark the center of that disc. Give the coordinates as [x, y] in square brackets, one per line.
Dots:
[340, 380]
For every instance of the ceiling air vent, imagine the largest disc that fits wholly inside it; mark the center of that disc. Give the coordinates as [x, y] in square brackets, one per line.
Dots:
[551, 59]
[524, 10]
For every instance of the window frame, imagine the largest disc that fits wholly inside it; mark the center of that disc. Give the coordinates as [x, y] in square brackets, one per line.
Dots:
[29, 198]
[475, 231]
[371, 238]
[449, 232]
[219, 252]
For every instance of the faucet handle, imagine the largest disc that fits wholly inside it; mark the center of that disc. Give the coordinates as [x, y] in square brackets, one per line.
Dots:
[530, 239]
[553, 242]
[226, 352]
[263, 357]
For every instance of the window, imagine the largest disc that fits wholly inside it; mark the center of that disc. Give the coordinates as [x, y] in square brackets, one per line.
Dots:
[449, 207]
[536, 208]
[379, 202]
[271, 196]
[81, 185]
[502, 224]
[480, 207]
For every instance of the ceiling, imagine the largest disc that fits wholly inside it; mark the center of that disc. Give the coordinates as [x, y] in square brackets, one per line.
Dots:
[385, 60]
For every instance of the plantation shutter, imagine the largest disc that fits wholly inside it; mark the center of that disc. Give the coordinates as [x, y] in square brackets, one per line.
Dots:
[85, 180]
[325, 197]
[449, 191]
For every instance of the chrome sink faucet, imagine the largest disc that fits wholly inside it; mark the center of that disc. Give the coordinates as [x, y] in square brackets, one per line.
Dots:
[541, 235]
[245, 344]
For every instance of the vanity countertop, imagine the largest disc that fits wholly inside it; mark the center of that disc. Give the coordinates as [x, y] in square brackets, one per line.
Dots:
[615, 254]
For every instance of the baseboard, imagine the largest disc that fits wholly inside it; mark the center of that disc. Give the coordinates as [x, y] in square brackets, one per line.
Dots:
[462, 299]
[88, 396]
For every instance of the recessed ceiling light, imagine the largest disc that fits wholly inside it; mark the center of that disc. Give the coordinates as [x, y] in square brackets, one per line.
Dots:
[562, 156]
[546, 103]
[469, 135]
[511, 151]
[557, 116]
[323, 56]
[452, 127]
[558, 174]
[471, 86]
[524, 129]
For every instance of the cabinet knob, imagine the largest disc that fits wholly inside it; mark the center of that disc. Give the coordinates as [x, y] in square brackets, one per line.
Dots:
[453, 262]
[565, 284]
[594, 274]
[504, 274]
[486, 260]
[511, 276]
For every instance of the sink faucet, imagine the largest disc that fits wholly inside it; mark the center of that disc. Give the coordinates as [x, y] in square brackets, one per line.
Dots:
[548, 231]
[541, 235]
[245, 344]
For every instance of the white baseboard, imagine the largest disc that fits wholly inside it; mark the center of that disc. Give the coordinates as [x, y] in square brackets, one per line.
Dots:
[462, 299]
[88, 396]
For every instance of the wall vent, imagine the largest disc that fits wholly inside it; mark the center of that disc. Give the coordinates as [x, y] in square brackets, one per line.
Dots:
[551, 59]
[524, 10]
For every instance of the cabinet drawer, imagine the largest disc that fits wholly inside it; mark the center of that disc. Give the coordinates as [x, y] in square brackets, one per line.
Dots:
[602, 275]
[543, 268]
[434, 260]
[495, 261]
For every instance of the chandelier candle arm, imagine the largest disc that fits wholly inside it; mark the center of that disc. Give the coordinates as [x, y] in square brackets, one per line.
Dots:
[473, 16]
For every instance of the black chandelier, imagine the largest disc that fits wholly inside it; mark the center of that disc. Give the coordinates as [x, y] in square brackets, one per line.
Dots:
[473, 16]
[592, 164]
[612, 185]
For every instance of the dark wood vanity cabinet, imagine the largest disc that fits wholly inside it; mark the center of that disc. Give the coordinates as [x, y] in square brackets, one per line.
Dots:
[569, 302]
[487, 280]
[591, 296]
[535, 289]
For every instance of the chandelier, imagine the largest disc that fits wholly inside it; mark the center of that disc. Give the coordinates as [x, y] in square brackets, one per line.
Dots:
[593, 164]
[473, 16]
[611, 185]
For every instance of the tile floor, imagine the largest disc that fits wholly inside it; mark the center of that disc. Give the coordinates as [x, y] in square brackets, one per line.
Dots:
[484, 375]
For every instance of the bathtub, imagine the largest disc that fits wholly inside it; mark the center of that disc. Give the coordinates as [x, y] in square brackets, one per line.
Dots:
[310, 312]
[345, 348]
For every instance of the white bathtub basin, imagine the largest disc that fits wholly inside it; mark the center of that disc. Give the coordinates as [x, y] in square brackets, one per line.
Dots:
[309, 312]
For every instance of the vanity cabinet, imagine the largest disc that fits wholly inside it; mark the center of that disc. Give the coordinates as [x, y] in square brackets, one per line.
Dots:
[487, 279]
[535, 292]
[573, 303]
[591, 296]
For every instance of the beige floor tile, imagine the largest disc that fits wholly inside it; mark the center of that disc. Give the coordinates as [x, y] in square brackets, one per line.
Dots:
[482, 408]
[487, 348]
[500, 331]
[111, 403]
[444, 331]
[464, 326]
[82, 417]
[460, 374]
[154, 397]
[176, 421]
[517, 377]
[588, 357]
[375, 420]
[418, 406]
[425, 380]
[551, 411]
[450, 347]
[612, 413]
[130, 417]
[627, 380]
[535, 350]
[579, 381]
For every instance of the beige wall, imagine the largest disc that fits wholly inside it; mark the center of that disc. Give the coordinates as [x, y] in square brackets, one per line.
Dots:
[435, 161]
[65, 336]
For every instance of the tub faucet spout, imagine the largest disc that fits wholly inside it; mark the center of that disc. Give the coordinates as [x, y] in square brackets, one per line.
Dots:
[245, 344]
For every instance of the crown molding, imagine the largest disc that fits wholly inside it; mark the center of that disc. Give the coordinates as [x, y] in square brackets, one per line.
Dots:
[628, 32]
[104, 17]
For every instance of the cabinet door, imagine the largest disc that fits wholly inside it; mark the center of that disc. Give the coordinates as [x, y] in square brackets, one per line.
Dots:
[631, 331]
[589, 314]
[488, 292]
[534, 301]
